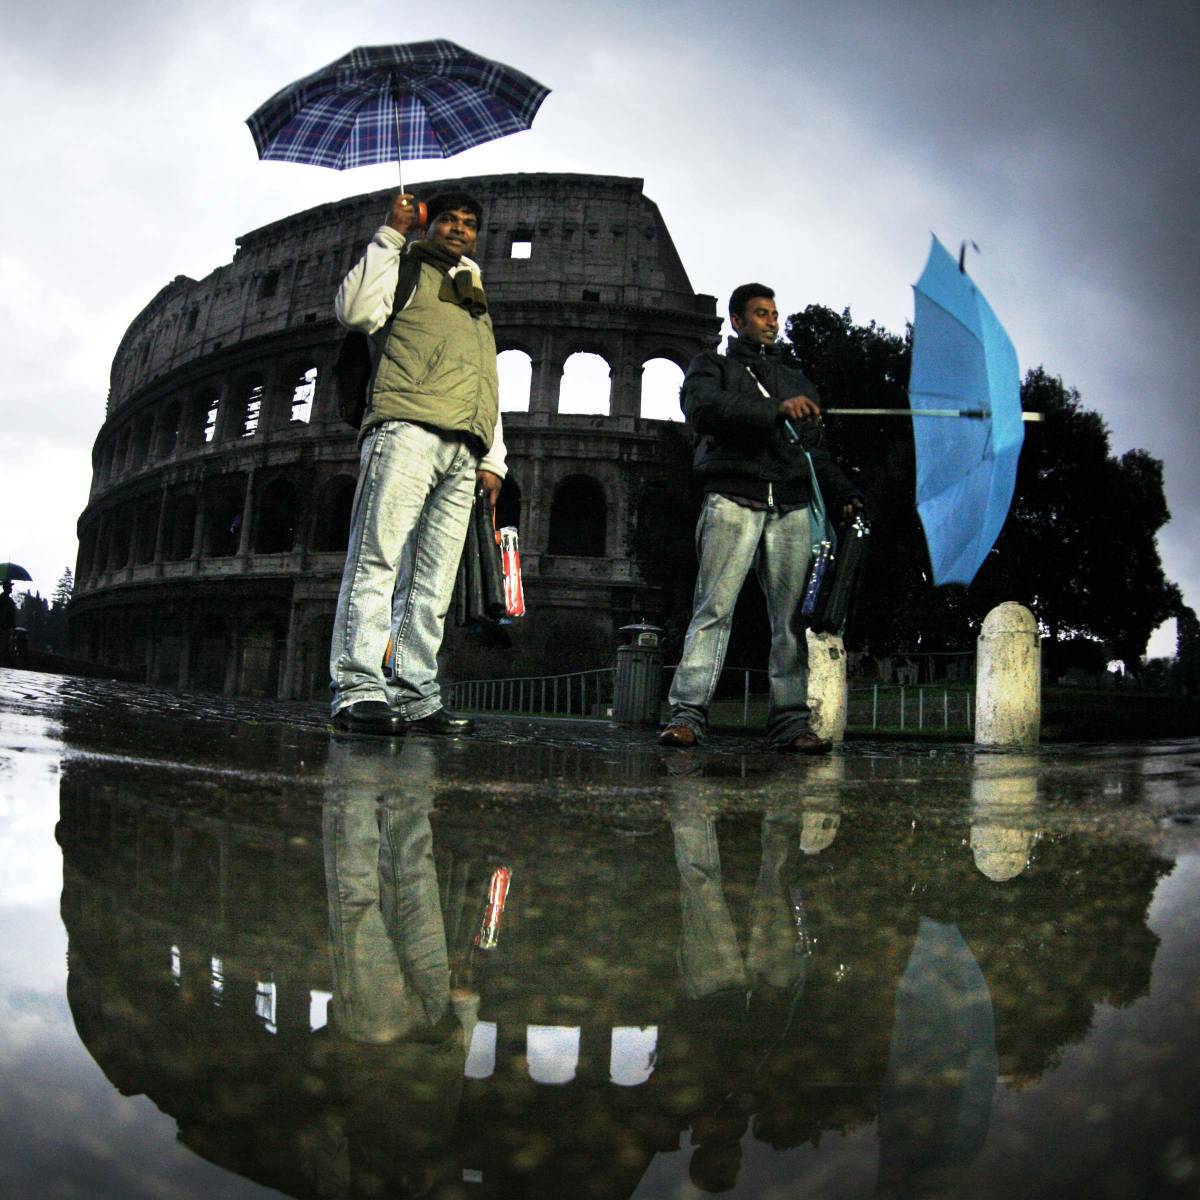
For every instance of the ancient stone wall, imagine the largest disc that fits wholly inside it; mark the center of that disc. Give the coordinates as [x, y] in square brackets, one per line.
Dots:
[212, 543]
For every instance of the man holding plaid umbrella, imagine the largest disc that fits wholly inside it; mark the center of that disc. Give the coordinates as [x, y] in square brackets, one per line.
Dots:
[431, 430]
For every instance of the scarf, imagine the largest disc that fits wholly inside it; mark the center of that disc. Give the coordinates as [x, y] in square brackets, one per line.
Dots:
[462, 283]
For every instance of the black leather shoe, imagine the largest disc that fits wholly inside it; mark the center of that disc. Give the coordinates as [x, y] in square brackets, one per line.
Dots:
[369, 716]
[807, 743]
[442, 722]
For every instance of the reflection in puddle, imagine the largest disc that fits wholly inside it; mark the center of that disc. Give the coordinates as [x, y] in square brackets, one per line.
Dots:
[379, 981]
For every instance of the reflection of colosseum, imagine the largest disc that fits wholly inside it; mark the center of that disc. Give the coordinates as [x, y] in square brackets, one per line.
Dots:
[212, 543]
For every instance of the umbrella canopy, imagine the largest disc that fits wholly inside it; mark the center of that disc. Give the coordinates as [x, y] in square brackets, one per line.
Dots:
[10, 572]
[387, 103]
[962, 359]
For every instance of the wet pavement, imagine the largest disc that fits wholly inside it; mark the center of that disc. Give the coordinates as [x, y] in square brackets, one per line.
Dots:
[240, 956]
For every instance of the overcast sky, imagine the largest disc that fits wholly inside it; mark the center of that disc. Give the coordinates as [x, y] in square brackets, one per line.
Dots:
[813, 145]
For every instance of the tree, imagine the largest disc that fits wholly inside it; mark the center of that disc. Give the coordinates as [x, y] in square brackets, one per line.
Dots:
[1079, 546]
[63, 589]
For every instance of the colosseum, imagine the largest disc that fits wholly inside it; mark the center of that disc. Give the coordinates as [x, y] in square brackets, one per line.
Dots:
[211, 547]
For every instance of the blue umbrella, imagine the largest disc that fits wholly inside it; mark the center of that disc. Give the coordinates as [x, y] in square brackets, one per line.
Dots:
[388, 103]
[962, 360]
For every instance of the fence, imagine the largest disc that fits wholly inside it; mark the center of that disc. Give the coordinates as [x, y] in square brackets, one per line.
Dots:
[740, 699]
[576, 694]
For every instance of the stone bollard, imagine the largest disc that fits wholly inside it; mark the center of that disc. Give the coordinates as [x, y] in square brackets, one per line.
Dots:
[827, 685]
[1008, 678]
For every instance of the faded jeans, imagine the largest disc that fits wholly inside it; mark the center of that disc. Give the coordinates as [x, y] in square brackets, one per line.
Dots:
[730, 539]
[407, 527]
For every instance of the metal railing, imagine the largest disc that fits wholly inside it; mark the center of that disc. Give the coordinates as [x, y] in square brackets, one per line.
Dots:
[740, 699]
[574, 694]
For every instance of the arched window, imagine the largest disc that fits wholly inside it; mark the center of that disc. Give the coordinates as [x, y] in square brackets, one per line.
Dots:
[223, 520]
[303, 390]
[661, 379]
[250, 398]
[260, 655]
[210, 650]
[147, 530]
[276, 518]
[586, 385]
[578, 518]
[181, 528]
[335, 500]
[516, 371]
[118, 547]
[168, 430]
[141, 441]
[207, 406]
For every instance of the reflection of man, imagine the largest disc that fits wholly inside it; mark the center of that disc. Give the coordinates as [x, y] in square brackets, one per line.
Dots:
[756, 513]
[431, 429]
[397, 1045]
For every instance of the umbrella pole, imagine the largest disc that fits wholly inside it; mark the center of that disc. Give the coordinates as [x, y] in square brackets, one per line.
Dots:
[973, 414]
[399, 156]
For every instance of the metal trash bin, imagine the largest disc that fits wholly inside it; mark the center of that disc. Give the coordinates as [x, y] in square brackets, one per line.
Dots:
[638, 685]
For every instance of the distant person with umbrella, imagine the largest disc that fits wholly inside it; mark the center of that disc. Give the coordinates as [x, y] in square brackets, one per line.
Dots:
[8, 617]
[760, 447]
[431, 430]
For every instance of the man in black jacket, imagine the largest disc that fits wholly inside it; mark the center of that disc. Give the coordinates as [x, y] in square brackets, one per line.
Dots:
[759, 427]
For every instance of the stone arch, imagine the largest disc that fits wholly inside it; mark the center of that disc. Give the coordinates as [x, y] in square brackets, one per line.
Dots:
[514, 366]
[120, 462]
[579, 518]
[314, 657]
[586, 383]
[261, 646]
[223, 517]
[147, 530]
[119, 541]
[180, 528]
[209, 652]
[170, 430]
[275, 517]
[142, 441]
[335, 501]
[662, 377]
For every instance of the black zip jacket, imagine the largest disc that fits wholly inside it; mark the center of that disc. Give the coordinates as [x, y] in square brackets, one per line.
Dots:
[743, 451]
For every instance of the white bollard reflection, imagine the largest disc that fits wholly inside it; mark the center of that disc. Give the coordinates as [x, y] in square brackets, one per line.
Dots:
[553, 1052]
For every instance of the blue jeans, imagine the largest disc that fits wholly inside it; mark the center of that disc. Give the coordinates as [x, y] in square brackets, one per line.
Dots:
[730, 539]
[411, 509]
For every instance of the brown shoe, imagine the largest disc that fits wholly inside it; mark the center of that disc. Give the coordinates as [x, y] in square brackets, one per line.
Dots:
[807, 743]
[677, 735]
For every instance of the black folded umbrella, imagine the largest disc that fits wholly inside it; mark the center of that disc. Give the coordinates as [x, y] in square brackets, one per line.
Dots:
[479, 588]
[847, 569]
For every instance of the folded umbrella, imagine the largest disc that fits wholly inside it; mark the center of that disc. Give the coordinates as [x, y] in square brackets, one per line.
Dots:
[479, 586]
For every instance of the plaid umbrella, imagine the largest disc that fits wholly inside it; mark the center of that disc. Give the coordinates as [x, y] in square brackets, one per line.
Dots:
[384, 103]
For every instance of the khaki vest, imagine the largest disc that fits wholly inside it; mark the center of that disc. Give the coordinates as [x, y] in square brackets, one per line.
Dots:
[436, 366]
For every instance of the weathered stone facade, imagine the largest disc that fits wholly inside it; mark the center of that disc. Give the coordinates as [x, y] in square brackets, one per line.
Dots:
[212, 544]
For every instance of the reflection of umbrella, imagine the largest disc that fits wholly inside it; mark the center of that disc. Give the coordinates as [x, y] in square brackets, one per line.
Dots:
[384, 103]
[10, 572]
[962, 359]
